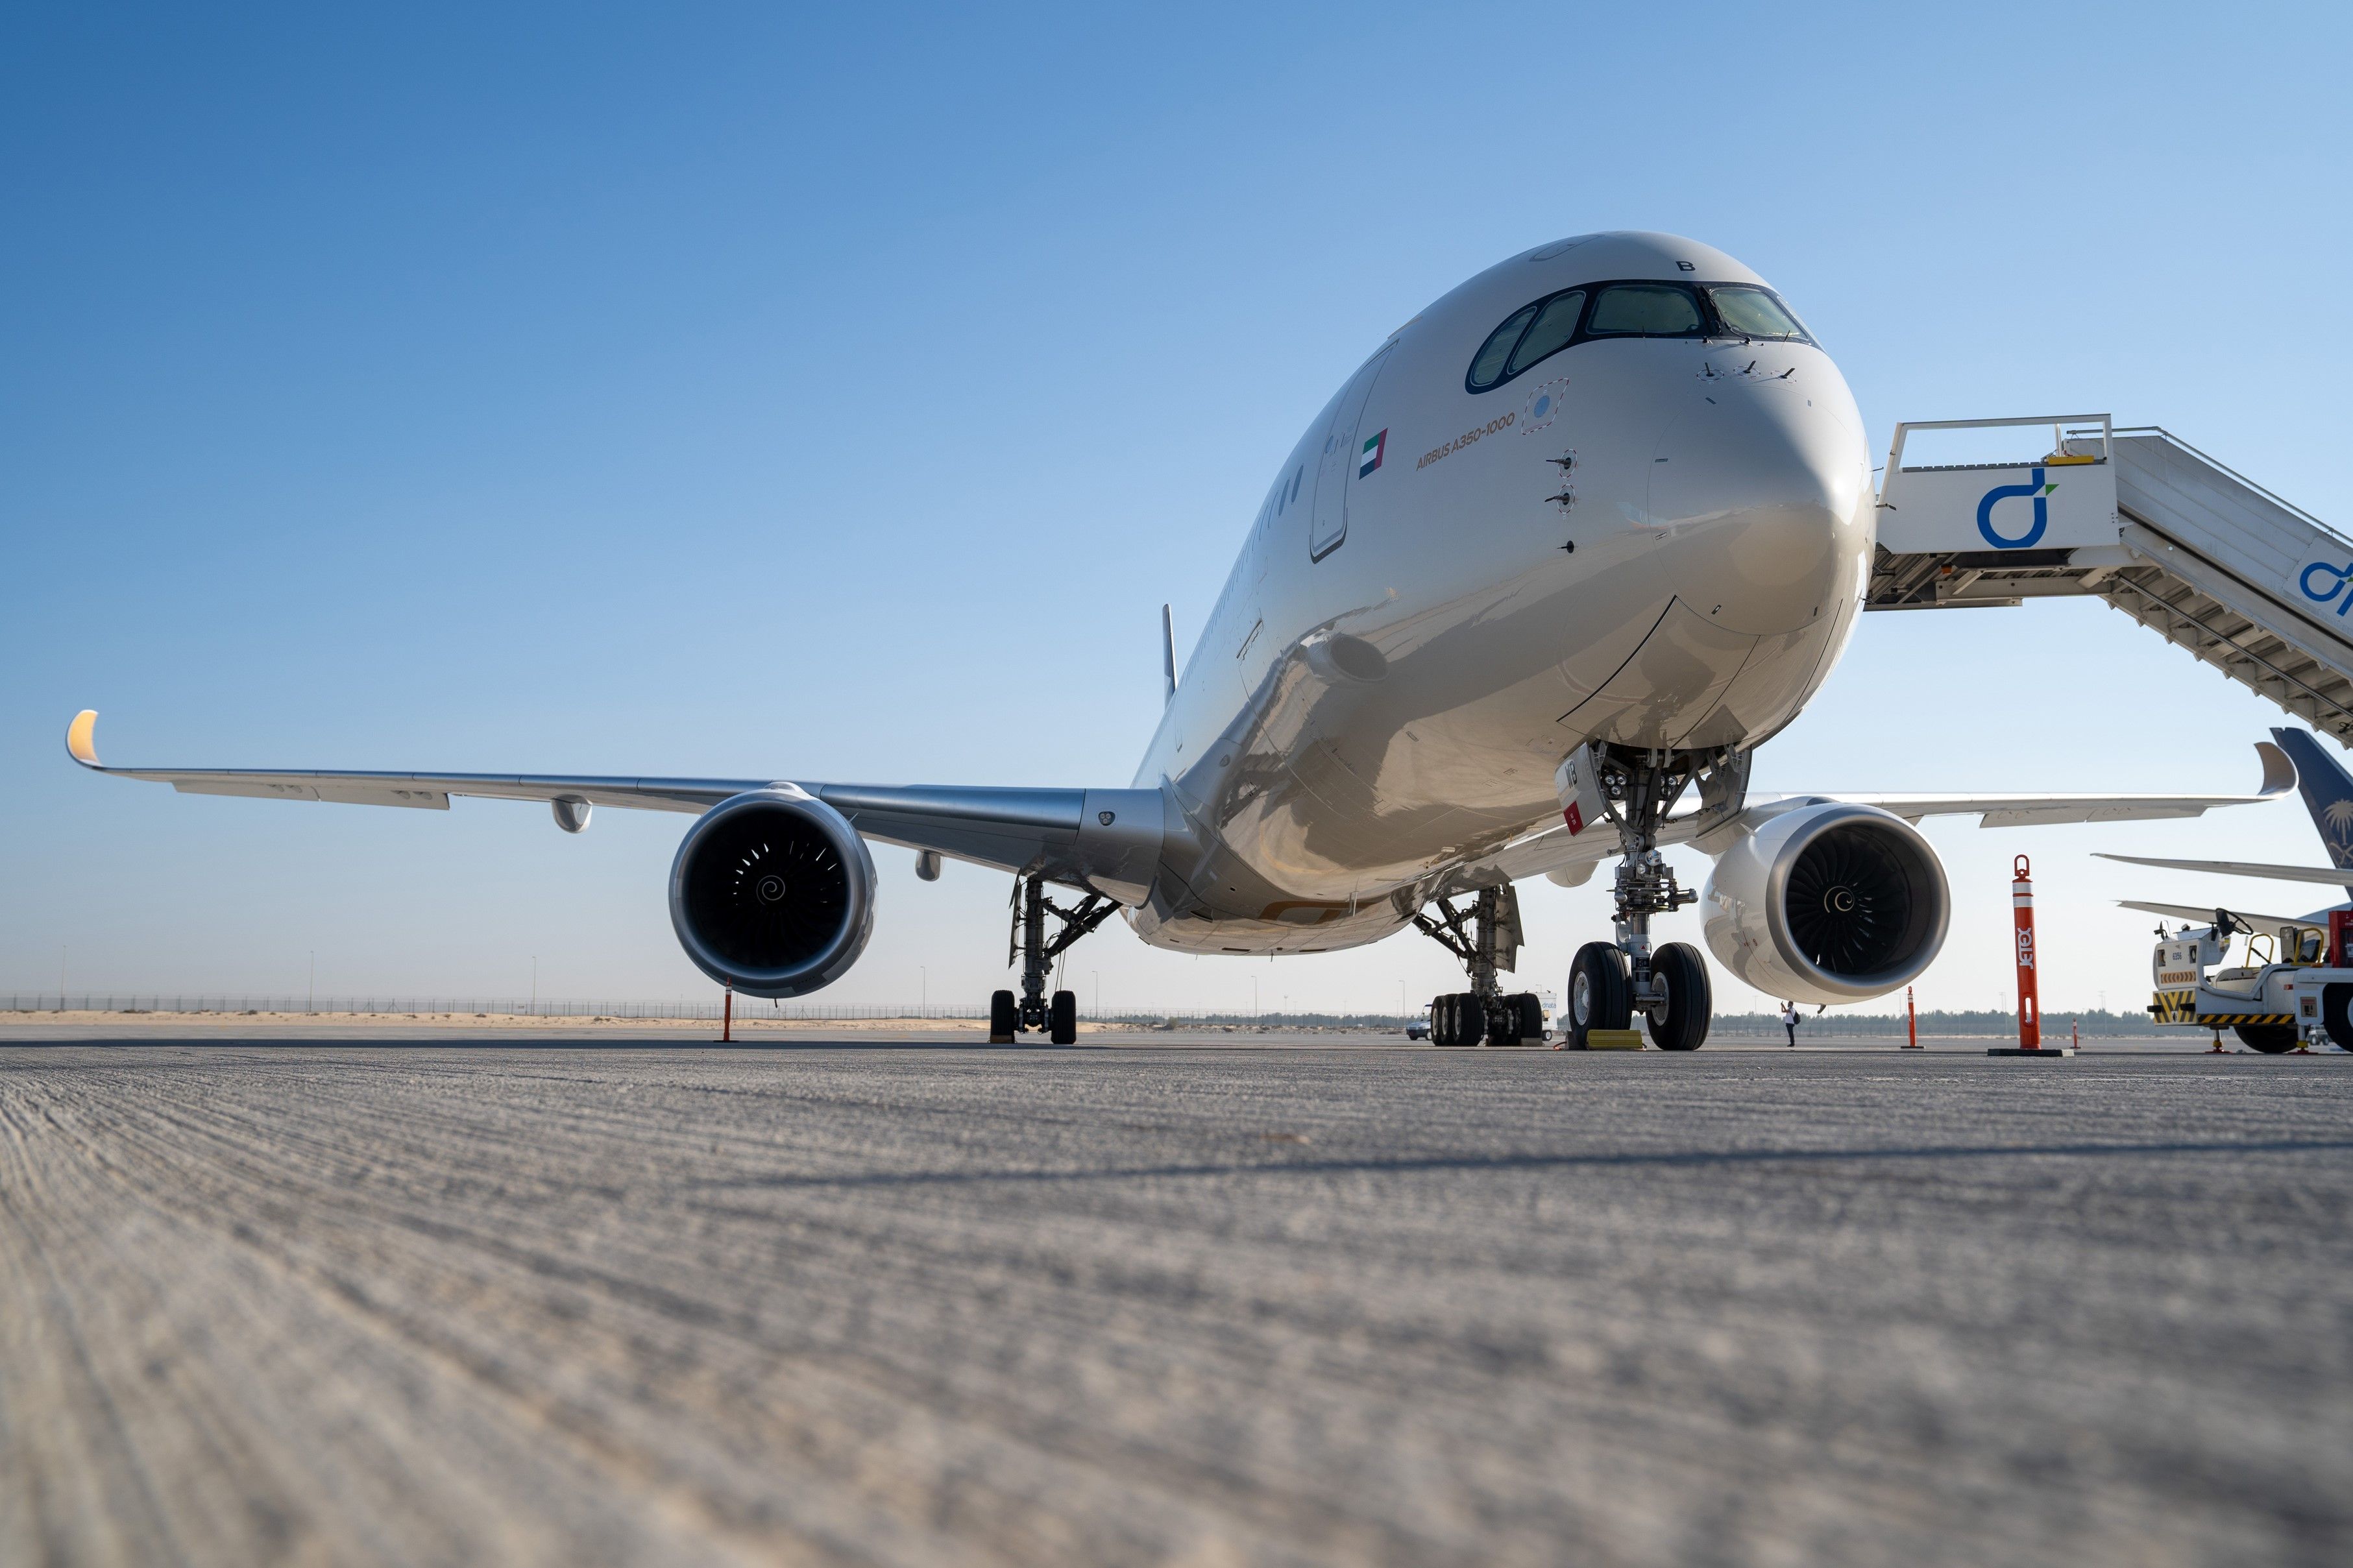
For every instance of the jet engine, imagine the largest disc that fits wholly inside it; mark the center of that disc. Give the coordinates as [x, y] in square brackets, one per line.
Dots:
[1830, 902]
[772, 893]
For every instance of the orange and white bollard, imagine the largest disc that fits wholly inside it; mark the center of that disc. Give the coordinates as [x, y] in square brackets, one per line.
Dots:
[1911, 1023]
[2030, 1004]
[2030, 1001]
[727, 1018]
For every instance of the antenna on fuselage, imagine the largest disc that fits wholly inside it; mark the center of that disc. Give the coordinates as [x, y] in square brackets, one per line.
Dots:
[1168, 654]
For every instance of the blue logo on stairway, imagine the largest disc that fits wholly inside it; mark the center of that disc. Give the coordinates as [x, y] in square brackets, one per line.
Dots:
[2316, 572]
[2036, 490]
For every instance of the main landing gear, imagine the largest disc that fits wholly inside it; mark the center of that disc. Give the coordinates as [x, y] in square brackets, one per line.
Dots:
[1609, 982]
[1484, 1012]
[1060, 1017]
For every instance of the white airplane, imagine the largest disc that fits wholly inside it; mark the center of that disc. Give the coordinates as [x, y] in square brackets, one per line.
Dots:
[1583, 534]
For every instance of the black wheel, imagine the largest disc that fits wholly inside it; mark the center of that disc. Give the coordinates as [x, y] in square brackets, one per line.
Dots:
[1599, 996]
[1003, 1018]
[1502, 1022]
[1530, 1009]
[2269, 1038]
[2335, 1000]
[1062, 1019]
[1446, 1021]
[1679, 1019]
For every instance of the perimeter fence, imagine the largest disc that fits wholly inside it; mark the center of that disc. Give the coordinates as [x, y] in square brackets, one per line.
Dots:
[747, 1008]
[1876, 1026]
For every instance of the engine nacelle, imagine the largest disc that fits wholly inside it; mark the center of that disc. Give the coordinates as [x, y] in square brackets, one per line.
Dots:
[1834, 902]
[773, 893]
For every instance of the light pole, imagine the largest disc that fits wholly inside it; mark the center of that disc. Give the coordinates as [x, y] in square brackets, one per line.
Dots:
[925, 971]
[1098, 975]
[311, 996]
[535, 984]
[1253, 999]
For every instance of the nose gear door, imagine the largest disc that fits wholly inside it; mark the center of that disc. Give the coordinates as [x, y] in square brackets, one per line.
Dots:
[1341, 460]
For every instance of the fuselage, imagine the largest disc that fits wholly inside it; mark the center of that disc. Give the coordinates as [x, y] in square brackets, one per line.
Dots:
[1641, 515]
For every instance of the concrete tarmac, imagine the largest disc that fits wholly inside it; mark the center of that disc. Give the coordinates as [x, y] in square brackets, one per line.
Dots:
[580, 1303]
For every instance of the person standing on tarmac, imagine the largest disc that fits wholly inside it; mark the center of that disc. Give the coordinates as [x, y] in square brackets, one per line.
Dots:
[1789, 1022]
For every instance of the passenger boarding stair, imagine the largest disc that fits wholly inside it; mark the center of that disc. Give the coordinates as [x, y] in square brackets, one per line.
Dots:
[2204, 557]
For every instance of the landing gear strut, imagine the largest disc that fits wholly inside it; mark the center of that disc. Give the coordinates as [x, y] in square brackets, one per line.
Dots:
[1610, 982]
[1036, 953]
[1475, 935]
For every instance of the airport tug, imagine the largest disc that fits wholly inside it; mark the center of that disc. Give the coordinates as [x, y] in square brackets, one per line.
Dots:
[2293, 985]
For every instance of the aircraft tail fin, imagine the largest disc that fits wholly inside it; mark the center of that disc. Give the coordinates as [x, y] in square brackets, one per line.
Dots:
[2327, 792]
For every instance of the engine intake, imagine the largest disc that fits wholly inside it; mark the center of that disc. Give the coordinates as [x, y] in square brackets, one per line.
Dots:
[1832, 902]
[773, 893]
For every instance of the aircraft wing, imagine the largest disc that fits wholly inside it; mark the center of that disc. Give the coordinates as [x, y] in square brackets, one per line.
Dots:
[1108, 839]
[2035, 810]
[1553, 848]
[2202, 915]
[2331, 876]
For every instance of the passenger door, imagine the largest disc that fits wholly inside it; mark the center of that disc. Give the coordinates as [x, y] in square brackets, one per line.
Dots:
[1336, 468]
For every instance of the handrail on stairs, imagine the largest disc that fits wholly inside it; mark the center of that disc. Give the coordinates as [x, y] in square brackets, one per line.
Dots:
[2278, 500]
[2058, 423]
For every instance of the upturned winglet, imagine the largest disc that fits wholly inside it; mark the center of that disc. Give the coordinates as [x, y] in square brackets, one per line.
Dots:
[2279, 771]
[81, 743]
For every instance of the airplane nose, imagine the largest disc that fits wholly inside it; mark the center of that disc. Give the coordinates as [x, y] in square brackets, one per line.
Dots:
[1765, 495]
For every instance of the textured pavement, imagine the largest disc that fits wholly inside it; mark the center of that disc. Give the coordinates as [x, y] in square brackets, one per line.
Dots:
[562, 1304]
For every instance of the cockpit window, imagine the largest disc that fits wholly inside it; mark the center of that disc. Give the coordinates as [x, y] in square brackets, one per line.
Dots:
[1633, 309]
[1645, 311]
[1552, 330]
[1488, 368]
[1753, 313]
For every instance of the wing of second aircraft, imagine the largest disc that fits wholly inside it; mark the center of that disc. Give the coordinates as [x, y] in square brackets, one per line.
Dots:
[2197, 914]
[2327, 876]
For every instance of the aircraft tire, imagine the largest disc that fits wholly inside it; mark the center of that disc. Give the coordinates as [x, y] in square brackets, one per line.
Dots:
[1062, 1019]
[1530, 1009]
[2269, 1038]
[1003, 1019]
[1502, 1027]
[2335, 1017]
[1600, 994]
[1680, 1022]
[1447, 1021]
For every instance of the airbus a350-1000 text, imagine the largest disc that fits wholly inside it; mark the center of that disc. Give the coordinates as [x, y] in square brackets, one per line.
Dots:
[1525, 597]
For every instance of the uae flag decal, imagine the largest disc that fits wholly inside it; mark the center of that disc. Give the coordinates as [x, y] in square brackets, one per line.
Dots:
[1372, 455]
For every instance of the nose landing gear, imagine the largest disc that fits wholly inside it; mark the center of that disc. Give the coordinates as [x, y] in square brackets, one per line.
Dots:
[1609, 982]
[1486, 938]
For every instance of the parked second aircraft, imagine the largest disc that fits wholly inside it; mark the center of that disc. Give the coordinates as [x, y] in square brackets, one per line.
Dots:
[2327, 792]
[1566, 549]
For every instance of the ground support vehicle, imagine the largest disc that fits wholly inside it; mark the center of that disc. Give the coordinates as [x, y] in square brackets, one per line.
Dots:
[2289, 984]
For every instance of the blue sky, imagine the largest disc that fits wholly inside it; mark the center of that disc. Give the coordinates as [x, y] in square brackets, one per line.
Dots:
[740, 391]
